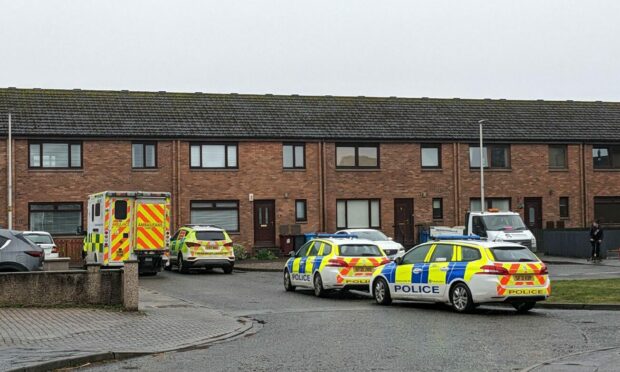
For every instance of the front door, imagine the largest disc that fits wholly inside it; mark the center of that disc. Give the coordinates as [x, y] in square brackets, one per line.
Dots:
[264, 223]
[533, 213]
[403, 222]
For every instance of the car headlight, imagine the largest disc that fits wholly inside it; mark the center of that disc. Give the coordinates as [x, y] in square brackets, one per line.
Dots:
[533, 243]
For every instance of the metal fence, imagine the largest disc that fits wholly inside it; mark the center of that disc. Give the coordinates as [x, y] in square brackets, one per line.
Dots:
[574, 242]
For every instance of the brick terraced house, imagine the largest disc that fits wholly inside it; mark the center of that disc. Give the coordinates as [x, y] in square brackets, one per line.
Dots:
[253, 163]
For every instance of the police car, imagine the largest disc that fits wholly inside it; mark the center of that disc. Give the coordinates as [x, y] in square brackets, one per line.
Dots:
[195, 246]
[330, 262]
[464, 273]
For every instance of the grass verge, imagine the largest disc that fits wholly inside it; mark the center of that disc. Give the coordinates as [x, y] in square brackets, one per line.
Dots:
[594, 291]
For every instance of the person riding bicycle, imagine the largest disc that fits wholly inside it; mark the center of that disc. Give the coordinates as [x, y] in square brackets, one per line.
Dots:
[596, 238]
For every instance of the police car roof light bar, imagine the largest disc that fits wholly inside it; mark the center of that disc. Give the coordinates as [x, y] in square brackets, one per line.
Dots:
[341, 236]
[457, 237]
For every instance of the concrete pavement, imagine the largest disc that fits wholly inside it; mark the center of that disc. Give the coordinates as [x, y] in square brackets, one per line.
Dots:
[42, 339]
[349, 331]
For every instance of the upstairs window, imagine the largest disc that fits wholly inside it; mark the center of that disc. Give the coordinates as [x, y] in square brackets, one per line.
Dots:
[493, 156]
[144, 155]
[357, 156]
[213, 156]
[293, 156]
[55, 154]
[606, 157]
[558, 157]
[431, 156]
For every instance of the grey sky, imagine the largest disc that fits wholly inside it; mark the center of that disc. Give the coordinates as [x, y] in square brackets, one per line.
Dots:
[551, 49]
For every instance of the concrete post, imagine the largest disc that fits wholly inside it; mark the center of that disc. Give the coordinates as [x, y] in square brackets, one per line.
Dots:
[93, 277]
[131, 290]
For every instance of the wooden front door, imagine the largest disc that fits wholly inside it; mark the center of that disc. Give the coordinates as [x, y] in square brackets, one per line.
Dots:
[403, 222]
[265, 223]
[533, 212]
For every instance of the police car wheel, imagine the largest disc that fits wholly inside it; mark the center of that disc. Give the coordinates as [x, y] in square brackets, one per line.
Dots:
[381, 292]
[523, 307]
[288, 285]
[460, 297]
[319, 291]
[228, 269]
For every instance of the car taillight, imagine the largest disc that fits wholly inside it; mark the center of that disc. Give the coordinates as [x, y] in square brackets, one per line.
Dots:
[54, 249]
[384, 261]
[229, 244]
[493, 270]
[192, 244]
[337, 262]
[34, 253]
[544, 270]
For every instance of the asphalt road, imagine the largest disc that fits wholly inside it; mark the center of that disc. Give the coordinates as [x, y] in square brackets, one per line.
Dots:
[299, 332]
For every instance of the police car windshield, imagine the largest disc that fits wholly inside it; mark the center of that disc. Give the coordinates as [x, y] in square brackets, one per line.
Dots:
[360, 250]
[210, 235]
[503, 223]
[370, 235]
[513, 254]
[39, 238]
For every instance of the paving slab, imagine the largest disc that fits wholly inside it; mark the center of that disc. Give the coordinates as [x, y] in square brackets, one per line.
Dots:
[30, 337]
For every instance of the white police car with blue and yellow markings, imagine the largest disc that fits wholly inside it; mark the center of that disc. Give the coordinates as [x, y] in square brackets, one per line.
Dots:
[464, 273]
[333, 263]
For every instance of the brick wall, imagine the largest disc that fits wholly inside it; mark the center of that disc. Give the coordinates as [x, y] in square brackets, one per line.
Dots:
[528, 176]
[260, 173]
[107, 166]
[400, 176]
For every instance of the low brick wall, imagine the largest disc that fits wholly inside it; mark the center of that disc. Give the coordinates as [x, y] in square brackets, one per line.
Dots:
[92, 286]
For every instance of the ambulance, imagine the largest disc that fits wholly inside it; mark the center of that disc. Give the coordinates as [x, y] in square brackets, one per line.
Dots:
[125, 225]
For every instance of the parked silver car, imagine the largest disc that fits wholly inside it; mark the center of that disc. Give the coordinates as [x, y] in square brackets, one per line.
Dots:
[44, 240]
[17, 253]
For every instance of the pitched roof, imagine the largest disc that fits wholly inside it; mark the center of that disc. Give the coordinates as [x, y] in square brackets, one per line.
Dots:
[88, 113]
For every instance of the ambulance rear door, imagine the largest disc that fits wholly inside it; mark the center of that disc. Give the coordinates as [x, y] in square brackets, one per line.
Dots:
[151, 214]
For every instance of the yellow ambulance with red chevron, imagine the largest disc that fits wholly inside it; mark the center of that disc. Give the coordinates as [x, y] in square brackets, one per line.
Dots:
[464, 273]
[331, 262]
[123, 225]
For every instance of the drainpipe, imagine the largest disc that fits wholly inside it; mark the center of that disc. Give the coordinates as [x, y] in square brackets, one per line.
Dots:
[455, 175]
[9, 190]
[322, 184]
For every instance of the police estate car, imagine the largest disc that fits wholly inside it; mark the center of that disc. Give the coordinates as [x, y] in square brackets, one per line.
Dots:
[333, 263]
[464, 273]
[196, 246]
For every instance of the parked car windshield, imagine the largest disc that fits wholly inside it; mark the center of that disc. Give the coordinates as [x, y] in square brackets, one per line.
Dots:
[39, 238]
[503, 223]
[370, 235]
[210, 235]
[513, 254]
[360, 250]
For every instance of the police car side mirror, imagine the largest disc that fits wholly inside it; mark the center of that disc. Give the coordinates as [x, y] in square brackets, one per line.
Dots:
[398, 260]
[291, 253]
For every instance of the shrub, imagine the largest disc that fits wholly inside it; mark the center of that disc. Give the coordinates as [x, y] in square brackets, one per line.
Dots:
[265, 254]
[240, 252]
